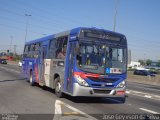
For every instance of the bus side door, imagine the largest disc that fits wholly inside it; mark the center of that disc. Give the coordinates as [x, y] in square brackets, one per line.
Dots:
[43, 54]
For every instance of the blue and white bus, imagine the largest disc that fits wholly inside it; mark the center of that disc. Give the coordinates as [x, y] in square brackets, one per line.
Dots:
[79, 62]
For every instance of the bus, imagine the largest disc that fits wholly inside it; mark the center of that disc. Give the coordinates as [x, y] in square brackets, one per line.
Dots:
[82, 61]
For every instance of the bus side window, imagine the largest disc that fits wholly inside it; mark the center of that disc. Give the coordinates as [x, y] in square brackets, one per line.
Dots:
[32, 49]
[52, 49]
[28, 52]
[37, 48]
[62, 47]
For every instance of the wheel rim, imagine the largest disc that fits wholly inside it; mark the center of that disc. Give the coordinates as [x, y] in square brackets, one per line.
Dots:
[31, 79]
[58, 87]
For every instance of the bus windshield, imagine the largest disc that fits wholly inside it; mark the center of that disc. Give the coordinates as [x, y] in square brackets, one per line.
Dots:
[101, 58]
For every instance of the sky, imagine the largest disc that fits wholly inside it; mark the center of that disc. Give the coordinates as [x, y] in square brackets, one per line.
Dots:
[139, 20]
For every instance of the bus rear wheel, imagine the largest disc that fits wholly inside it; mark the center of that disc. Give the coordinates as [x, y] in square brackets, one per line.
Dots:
[31, 79]
[58, 88]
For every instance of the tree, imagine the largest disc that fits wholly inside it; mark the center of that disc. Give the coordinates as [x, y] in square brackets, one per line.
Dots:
[148, 62]
[158, 63]
[142, 62]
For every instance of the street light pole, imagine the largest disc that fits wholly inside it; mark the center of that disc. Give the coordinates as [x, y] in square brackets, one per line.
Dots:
[27, 23]
[115, 16]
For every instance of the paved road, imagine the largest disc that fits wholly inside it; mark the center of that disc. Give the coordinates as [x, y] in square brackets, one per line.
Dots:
[18, 97]
[144, 88]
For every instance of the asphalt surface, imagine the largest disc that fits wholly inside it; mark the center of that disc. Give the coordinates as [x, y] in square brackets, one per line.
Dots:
[18, 97]
[144, 88]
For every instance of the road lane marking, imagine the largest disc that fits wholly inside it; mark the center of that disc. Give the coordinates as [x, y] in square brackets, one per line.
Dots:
[143, 94]
[58, 107]
[71, 113]
[138, 92]
[128, 92]
[150, 111]
[147, 96]
[58, 111]
[156, 96]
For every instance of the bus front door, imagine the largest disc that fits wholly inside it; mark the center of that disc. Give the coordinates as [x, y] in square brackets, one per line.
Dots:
[69, 68]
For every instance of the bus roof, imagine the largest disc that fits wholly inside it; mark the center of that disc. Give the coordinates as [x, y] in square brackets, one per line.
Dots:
[72, 31]
[40, 39]
[76, 30]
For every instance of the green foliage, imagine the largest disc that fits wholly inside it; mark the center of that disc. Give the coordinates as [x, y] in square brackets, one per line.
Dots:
[148, 62]
[153, 69]
[131, 69]
[158, 64]
[142, 62]
[17, 57]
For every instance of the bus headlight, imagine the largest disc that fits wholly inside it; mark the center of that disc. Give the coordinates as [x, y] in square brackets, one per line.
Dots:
[122, 84]
[80, 80]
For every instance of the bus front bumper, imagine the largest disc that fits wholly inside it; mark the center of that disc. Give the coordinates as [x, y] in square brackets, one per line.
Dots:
[97, 92]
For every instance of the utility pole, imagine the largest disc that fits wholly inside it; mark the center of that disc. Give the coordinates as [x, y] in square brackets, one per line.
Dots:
[27, 23]
[15, 55]
[15, 47]
[115, 15]
[144, 59]
[11, 43]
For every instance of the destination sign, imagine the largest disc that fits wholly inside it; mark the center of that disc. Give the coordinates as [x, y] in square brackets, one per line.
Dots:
[101, 36]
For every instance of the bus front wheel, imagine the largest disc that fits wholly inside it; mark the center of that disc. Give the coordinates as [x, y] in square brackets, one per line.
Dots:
[58, 88]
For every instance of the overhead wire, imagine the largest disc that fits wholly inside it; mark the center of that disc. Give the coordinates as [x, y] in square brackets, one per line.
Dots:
[44, 18]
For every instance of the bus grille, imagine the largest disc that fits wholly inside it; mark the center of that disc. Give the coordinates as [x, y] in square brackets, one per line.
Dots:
[102, 91]
[107, 80]
[100, 85]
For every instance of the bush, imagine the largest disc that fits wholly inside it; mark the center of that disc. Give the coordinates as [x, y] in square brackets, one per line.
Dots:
[131, 69]
[17, 57]
[152, 69]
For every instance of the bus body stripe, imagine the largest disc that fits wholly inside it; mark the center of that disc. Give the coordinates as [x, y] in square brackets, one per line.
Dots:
[36, 73]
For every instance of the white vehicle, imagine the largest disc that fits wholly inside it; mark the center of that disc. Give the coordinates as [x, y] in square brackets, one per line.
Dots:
[19, 63]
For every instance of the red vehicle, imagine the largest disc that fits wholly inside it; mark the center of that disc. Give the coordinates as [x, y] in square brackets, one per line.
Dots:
[9, 58]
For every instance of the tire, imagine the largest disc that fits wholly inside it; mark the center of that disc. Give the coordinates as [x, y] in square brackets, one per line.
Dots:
[58, 88]
[31, 79]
